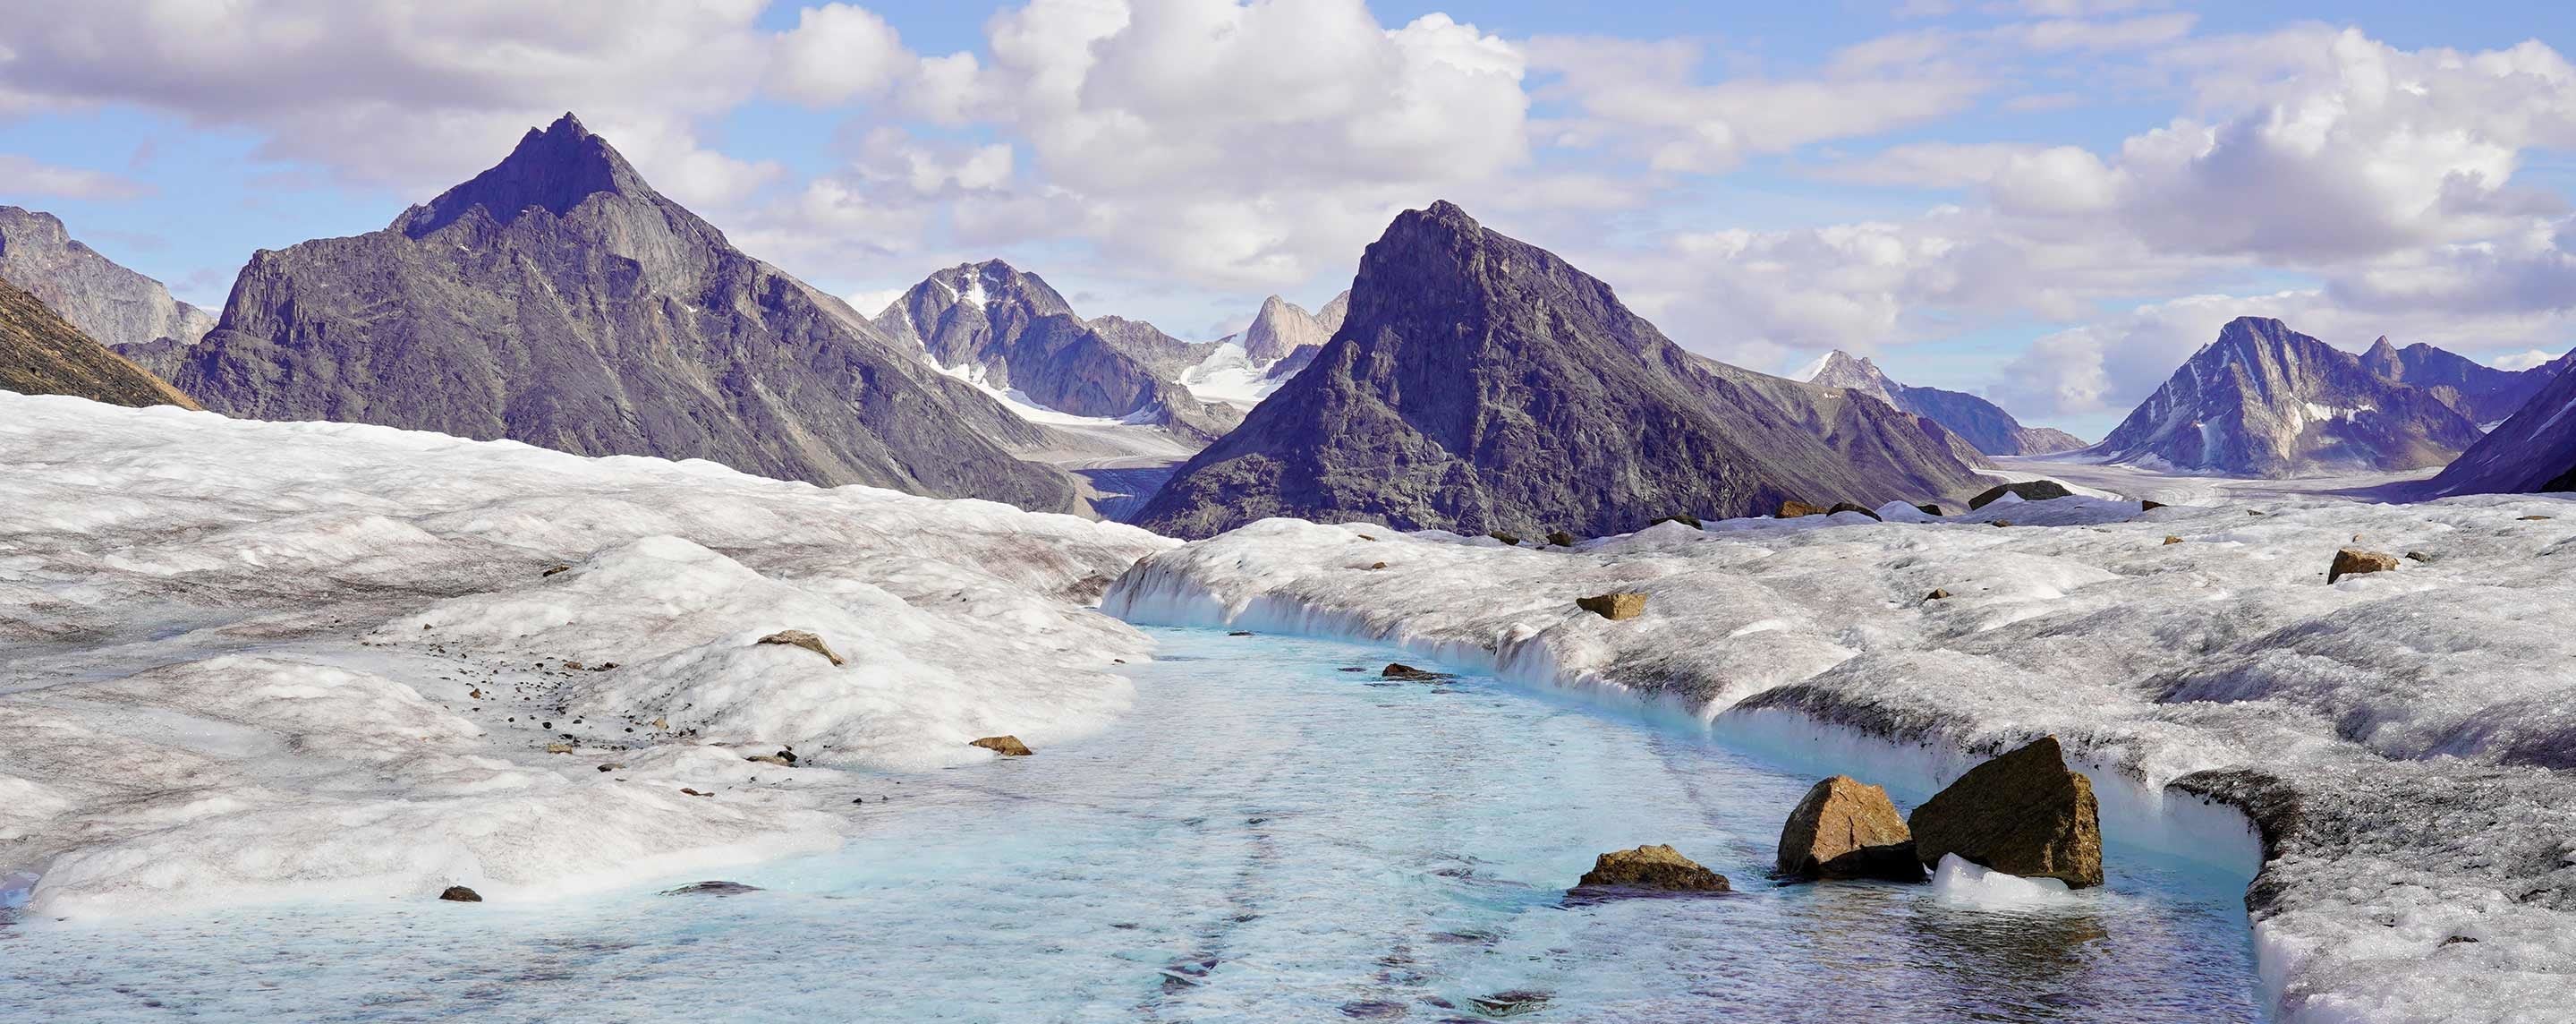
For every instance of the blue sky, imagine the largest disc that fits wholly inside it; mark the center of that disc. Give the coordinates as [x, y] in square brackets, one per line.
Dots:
[2050, 202]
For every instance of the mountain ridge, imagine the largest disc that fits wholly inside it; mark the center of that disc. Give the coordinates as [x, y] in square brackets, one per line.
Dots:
[1985, 425]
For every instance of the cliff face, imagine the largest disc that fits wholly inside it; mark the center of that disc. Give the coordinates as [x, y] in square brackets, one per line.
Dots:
[557, 299]
[107, 302]
[1983, 424]
[2266, 401]
[43, 354]
[1480, 383]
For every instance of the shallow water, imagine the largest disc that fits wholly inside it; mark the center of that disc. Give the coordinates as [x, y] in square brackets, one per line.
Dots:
[1265, 837]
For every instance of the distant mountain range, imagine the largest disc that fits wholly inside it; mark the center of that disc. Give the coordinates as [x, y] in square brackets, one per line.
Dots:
[2532, 450]
[109, 303]
[557, 299]
[1481, 383]
[1982, 423]
[2267, 401]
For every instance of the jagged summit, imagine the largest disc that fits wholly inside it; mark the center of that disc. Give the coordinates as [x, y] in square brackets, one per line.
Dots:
[1983, 424]
[553, 169]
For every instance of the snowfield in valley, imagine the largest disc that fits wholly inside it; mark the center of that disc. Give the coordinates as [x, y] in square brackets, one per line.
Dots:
[2396, 738]
[243, 661]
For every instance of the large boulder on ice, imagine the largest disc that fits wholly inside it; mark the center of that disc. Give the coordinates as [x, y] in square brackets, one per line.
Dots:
[1623, 605]
[804, 639]
[460, 894]
[1846, 828]
[2355, 561]
[2027, 490]
[1655, 866]
[1006, 746]
[1795, 509]
[2023, 813]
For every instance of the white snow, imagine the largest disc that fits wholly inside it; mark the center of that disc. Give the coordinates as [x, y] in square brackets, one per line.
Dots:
[1231, 376]
[1021, 405]
[1960, 883]
[2418, 716]
[259, 661]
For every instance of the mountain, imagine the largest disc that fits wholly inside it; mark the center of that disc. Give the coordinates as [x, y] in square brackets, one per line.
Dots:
[1983, 424]
[1283, 338]
[107, 302]
[556, 299]
[43, 354]
[1008, 331]
[1481, 383]
[2267, 401]
[2532, 450]
[2482, 393]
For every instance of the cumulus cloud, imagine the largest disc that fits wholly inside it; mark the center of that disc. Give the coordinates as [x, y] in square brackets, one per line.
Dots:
[28, 176]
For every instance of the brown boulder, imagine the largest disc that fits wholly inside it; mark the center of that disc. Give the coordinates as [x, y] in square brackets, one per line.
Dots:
[1007, 746]
[1400, 670]
[1795, 509]
[806, 640]
[1937, 594]
[1561, 539]
[460, 894]
[1847, 828]
[1506, 538]
[2023, 813]
[1627, 605]
[1652, 867]
[2171, 539]
[2354, 561]
[2030, 490]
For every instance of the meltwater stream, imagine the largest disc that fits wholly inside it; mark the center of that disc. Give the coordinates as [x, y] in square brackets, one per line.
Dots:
[1265, 837]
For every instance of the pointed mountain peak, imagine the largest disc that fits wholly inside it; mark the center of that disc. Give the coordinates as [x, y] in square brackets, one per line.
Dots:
[1280, 329]
[2382, 346]
[553, 169]
[1842, 369]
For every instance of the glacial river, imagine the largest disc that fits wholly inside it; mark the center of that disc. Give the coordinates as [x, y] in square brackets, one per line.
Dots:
[1265, 837]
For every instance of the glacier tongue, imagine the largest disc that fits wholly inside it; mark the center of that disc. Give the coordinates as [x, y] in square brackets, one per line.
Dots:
[255, 661]
[2397, 742]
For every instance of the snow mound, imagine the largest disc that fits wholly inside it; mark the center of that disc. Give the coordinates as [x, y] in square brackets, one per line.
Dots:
[252, 662]
[1961, 884]
[2390, 751]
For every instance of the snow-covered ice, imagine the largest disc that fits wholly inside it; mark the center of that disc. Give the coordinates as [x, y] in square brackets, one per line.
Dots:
[2397, 740]
[243, 661]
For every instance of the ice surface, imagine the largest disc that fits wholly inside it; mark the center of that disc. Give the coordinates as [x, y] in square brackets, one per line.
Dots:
[1230, 375]
[2400, 739]
[244, 662]
[1961, 884]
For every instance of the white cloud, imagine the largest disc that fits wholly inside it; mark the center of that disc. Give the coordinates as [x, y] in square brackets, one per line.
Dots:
[20, 175]
[2525, 359]
[836, 53]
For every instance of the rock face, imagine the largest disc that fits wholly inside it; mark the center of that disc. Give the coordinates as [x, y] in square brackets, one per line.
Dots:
[109, 303]
[2355, 561]
[2022, 814]
[1652, 867]
[1481, 383]
[2266, 401]
[1846, 828]
[2028, 490]
[2533, 450]
[557, 299]
[1008, 330]
[2482, 393]
[42, 354]
[1983, 424]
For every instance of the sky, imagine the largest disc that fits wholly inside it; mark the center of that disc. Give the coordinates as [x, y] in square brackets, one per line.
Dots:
[2048, 202]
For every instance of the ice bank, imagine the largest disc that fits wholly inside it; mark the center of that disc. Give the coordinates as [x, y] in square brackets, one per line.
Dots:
[2386, 750]
[256, 661]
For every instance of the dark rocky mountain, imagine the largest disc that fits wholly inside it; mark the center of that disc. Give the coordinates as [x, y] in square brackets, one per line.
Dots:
[2484, 394]
[2267, 401]
[1006, 329]
[43, 354]
[2533, 450]
[1983, 424]
[107, 302]
[557, 299]
[1481, 383]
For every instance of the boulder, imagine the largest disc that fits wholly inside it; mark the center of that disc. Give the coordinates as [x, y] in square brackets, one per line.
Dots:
[1689, 521]
[2171, 539]
[1625, 605]
[1373, 566]
[1652, 867]
[1400, 670]
[1846, 828]
[2030, 490]
[2419, 556]
[1793, 509]
[1511, 539]
[2149, 506]
[806, 640]
[1560, 538]
[460, 894]
[1937, 594]
[1846, 506]
[2354, 561]
[2023, 813]
[1929, 509]
[1007, 746]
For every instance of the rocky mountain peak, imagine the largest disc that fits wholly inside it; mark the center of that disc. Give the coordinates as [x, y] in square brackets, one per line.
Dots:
[1985, 426]
[553, 169]
[1280, 329]
[109, 303]
[1844, 370]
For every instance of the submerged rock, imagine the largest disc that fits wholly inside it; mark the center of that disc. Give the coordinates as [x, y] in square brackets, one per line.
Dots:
[2030, 490]
[714, 888]
[1652, 867]
[1794, 509]
[1846, 828]
[460, 894]
[2355, 561]
[1623, 605]
[2023, 813]
[1846, 506]
[1400, 670]
[1007, 746]
[806, 640]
